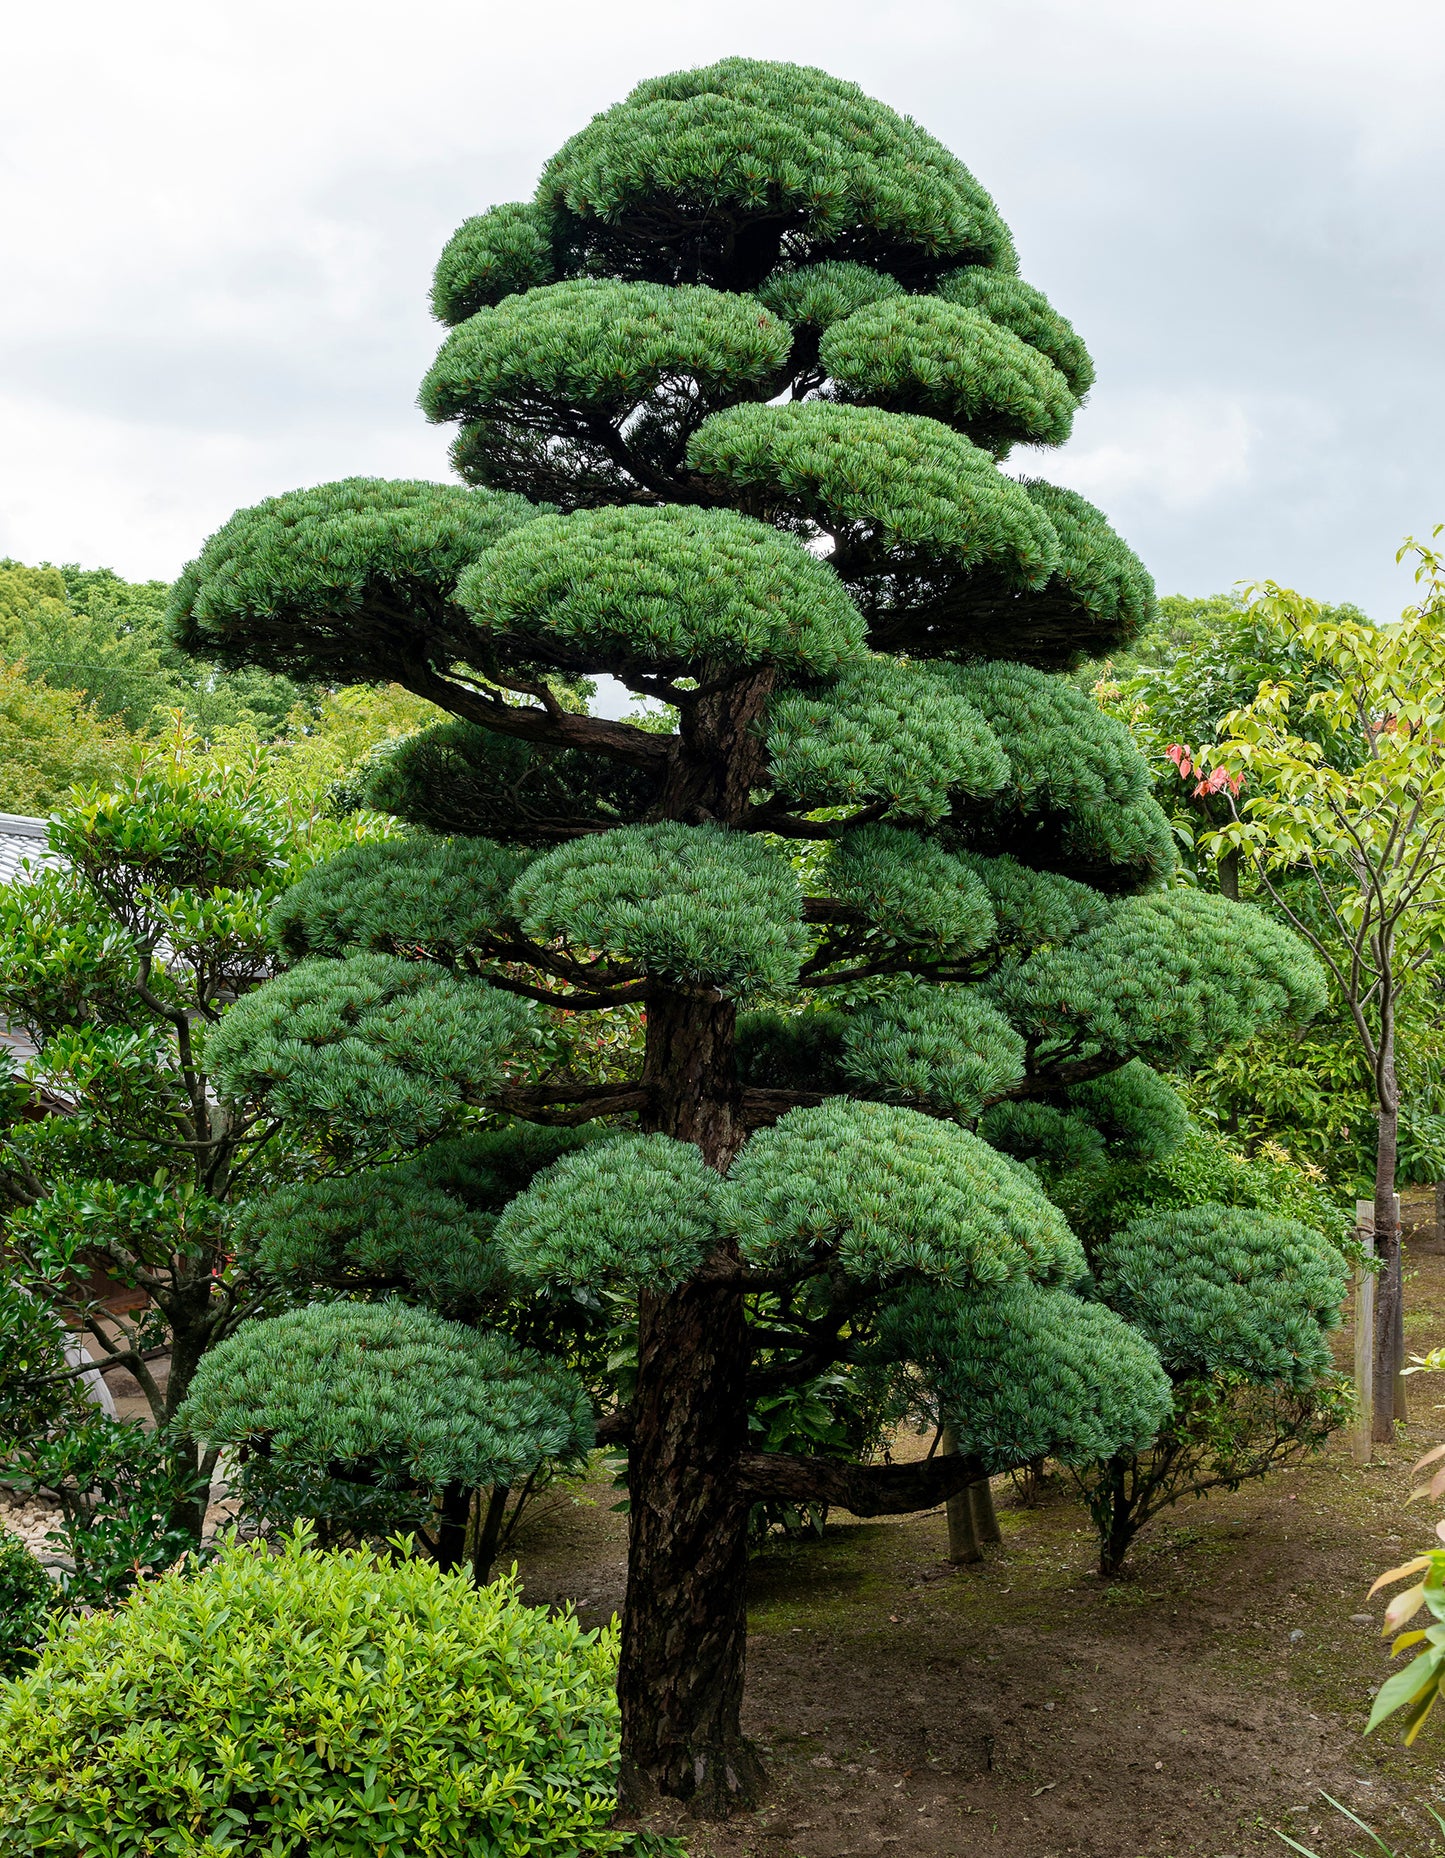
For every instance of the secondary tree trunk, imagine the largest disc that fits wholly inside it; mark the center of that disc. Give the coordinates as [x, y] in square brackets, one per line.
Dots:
[1389, 1302]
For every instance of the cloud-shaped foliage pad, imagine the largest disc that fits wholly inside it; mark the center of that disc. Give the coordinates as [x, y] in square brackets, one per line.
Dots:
[1023, 1372]
[349, 580]
[489, 256]
[372, 1046]
[912, 483]
[386, 1388]
[940, 1049]
[697, 906]
[599, 344]
[1168, 978]
[640, 1209]
[925, 355]
[890, 1192]
[725, 167]
[1016, 305]
[433, 899]
[666, 589]
[910, 889]
[1227, 1288]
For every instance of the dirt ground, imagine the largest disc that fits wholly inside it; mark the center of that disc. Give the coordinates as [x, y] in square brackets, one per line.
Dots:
[1025, 1708]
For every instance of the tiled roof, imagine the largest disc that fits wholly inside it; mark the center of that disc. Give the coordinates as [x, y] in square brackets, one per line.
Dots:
[20, 838]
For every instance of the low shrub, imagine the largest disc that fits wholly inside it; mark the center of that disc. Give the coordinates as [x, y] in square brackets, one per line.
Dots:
[25, 1596]
[336, 1705]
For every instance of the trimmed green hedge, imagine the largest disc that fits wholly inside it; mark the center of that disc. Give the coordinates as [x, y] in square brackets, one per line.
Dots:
[301, 1705]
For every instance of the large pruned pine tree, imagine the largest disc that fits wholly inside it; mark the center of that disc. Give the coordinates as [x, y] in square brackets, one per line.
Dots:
[733, 394]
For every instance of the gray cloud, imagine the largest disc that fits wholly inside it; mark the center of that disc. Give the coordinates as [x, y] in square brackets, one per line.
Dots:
[220, 225]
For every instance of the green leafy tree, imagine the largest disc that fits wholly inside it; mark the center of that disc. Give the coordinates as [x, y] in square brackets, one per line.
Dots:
[759, 346]
[50, 741]
[119, 960]
[1346, 791]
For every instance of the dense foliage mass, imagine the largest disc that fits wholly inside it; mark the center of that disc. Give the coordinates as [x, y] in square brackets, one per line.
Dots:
[733, 394]
[332, 1705]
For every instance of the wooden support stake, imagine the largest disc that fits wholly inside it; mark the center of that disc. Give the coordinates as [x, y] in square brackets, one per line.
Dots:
[963, 1547]
[1364, 1333]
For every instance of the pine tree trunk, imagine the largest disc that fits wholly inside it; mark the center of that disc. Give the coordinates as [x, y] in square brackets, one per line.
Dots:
[684, 1621]
[1389, 1302]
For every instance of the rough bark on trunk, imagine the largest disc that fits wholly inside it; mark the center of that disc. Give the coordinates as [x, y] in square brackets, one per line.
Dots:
[684, 1621]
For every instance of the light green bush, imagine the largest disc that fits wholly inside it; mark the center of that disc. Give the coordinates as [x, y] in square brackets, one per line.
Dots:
[301, 1705]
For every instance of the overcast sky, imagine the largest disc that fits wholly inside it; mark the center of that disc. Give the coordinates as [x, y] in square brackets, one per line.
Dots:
[219, 223]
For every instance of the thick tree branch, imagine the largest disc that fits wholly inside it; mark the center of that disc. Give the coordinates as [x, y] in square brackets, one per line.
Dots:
[565, 1104]
[865, 1490]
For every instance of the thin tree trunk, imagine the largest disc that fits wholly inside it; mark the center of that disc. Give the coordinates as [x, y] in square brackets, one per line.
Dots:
[1227, 871]
[187, 1316]
[1389, 1303]
[489, 1531]
[456, 1507]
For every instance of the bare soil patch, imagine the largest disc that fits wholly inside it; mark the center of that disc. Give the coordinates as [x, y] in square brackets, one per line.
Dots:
[910, 1709]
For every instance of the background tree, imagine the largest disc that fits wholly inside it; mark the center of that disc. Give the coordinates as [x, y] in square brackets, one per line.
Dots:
[760, 344]
[118, 960]
[1357, 808]
[50, 741]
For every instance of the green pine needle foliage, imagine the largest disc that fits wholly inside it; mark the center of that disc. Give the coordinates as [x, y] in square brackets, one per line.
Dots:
[943, 1050]
[924, 355]
[378, 1229]
[430, 899]
[1128, 1115]
[1024, 1372]
[639, 1209]
[1079, 794]
[605, 346]
[370, 1046]
[1017, 306]
[1167, 978]
[881, 731]
[1218, 1289]
[891, 1193]
[337, 1704]
[339, 581]
[1032, 908]
[812, 297]
[697, 906]
[661, 589]
[390, 1395]
[489, 256]
[905, 483]
[834, 174]
[459, 778]
[911, 888]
